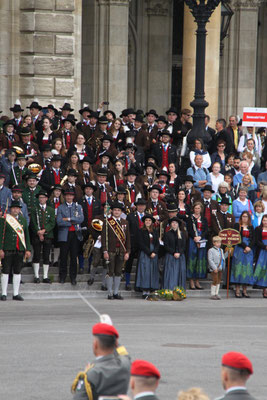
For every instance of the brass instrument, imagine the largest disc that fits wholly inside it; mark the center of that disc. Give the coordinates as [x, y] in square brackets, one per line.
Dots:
[129, 195]
[35, 168]
[88, 247]
[97, 224]
[63, 180]
[18, 149]
[161, 231]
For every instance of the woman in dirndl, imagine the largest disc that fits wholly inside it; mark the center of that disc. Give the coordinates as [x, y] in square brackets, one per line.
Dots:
[174, 261]
[197, 227]
[260, 274]
[242, 263]
[147, 266]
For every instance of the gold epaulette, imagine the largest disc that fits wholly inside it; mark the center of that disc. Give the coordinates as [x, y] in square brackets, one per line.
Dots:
[83, 375]
[122, 351]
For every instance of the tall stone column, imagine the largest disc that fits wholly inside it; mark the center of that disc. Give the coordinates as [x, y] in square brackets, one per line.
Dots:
[159, 61]
[105, 53]
[238, 70]
[212, 61]
[9, 54]
[50, 51]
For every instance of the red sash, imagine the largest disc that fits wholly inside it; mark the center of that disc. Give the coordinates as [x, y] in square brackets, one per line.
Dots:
[119, 233]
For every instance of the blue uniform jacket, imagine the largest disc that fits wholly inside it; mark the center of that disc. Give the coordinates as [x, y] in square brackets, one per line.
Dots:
[5, 194]
[75, 213]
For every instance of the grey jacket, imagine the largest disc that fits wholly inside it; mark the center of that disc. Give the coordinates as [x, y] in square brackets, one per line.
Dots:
[108, 376]
[237, 395]
[216, 259]
[75, 213]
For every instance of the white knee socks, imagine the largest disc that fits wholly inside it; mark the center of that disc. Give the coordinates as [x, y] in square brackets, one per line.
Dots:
[16, 283]
[4, 283]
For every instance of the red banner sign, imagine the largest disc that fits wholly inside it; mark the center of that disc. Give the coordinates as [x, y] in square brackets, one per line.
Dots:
[230, 237]
[254, 116]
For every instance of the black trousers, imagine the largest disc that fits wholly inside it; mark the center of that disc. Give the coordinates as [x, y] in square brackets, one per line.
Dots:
[129, 262]
[13, 260]
[70, 247]
[38, 246]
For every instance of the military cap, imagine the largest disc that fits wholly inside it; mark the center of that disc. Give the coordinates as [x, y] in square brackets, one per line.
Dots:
[69, 191]
[15, 203]
[2, 175]
[103, 120]
[144, 368]
[17, 188]
[105, 329]
[30, 175]
[148, 216]
[237, 360]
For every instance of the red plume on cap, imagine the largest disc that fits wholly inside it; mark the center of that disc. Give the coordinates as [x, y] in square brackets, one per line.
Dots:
[105, 329]
[237, 360]
[144, 368]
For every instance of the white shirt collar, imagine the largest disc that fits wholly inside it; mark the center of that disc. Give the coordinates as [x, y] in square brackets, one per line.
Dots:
[235, 388]
[143, 394]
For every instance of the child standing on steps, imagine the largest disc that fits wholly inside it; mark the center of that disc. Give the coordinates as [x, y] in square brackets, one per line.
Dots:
[216, 261]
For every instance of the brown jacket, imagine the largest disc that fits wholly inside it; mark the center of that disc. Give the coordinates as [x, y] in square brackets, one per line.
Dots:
[161, 208]
[218, 223]
[112, 238]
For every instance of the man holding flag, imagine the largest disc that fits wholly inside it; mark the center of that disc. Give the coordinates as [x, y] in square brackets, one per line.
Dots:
[14, 244]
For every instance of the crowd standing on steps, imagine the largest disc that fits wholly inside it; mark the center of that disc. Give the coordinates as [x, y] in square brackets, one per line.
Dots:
[106, 190]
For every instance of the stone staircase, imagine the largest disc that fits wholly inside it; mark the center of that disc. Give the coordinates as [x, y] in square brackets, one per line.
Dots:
[30, 290]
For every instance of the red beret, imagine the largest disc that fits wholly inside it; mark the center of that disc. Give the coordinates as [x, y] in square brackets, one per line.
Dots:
[105, 329]
[237, 360]
[144, 368]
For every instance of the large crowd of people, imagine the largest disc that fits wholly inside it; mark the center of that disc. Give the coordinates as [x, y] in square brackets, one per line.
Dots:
[106, 190]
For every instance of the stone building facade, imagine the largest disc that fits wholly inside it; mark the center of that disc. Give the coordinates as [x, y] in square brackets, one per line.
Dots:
[138, 53]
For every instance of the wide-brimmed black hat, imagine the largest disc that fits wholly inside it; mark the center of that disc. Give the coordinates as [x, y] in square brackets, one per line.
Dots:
[85, 108]
[41, 193]
[25, 131]
[162, 119]
[103, 120]
[117, 204]
[225, 201]
[120, 190]
[131, 171]
[163, 172]
[139, 118]
[176, 219]
[56, 157]
[189, 178]
[107, 137]
[172, 110]
[124, 113]
[72, 172]
[102, 172]
[207, 187]
[35, 104]
[140, 202]
[47, 147]
[94, 114]
[131, 111]
[9, 122]
[16, 108]
[172, 207]
[90, 185]
[153, 112]
[15, 203]
[155, 187]
[52, 107]
[106, 154]
[67, 107]
[85, 159]
[111, 112]
[56, 186]
[148, 216]
[165, 132]
[152, 165]
[70, 118]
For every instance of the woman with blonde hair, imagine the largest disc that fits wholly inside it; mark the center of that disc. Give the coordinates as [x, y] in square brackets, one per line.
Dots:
[193, 394]
[259, 211]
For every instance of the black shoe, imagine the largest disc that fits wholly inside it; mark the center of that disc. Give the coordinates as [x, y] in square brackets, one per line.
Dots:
[104, 288]
[55, 264]
[3, 297]
[247, 296]
[238, 295]
[36, 280]
[110, 297]
[18, 298]
[90, 281]
[73, 282]
[47, 280]
[81, 271]
[128, 287]
[144, 296]
[61, 280]
[117, 297]
[199, 288]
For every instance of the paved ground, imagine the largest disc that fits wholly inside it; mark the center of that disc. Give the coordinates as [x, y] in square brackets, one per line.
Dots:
[44, 343]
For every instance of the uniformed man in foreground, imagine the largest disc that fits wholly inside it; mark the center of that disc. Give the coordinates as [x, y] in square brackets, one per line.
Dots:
[144, 381]
[14, 244]
[236, 369]
[109, 374]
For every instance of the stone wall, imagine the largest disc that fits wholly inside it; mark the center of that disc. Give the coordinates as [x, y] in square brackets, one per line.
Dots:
[50, 55]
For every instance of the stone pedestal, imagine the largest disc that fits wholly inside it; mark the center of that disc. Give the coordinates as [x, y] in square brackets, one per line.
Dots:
[212, 61]
[238, 67]
[50, 51]
[105, 53]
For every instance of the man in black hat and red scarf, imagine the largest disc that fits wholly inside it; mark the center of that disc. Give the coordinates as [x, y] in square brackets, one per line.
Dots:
[17, 113]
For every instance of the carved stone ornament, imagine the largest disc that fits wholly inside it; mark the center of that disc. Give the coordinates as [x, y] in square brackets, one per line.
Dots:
[159, 8]
[249, 4]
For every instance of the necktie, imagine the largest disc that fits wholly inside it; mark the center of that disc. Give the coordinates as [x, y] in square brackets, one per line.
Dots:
[132, 187]
[89, 201]
[206, 203]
